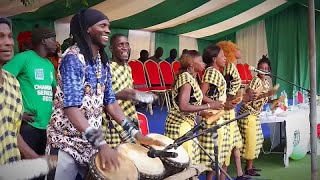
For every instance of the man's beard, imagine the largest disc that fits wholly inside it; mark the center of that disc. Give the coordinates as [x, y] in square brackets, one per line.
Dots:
[97, 42]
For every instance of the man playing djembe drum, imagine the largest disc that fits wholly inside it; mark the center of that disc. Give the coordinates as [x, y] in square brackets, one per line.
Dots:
[84, 91]
[122, 85]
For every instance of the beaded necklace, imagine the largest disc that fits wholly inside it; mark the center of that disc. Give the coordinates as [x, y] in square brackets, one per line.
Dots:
[99, 74]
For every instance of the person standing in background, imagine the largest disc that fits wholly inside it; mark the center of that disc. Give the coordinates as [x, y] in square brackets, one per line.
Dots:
[157, 55]
[36, 76]
[144, 55]
[173, 56]
[55, 59]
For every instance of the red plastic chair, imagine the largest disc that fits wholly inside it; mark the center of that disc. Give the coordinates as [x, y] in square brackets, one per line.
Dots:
[318, 130]
[248, 72]
[166, 73]
[143, 123]
[200, 74]
[139, 78]
[138, 75]
[242, 72]
[175, 67]
[152, 71]
[155, 84]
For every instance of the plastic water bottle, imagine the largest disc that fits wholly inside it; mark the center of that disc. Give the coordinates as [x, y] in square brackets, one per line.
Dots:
[285, 101]
[294, 97]
[305, 97]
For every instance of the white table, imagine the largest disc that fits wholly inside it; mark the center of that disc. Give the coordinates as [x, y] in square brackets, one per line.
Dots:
[296, 129]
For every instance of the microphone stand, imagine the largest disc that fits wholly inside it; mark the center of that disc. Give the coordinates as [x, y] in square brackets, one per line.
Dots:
[215, 163]
[293, 84]
[289, 82]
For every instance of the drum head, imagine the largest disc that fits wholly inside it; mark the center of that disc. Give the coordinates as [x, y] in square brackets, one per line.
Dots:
[126, 171]
[183, 157]
[138, 155]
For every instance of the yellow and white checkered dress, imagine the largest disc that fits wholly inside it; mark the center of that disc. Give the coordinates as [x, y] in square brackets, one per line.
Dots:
[11, 110]
[233, 81]
[121, 79]
[177, 122]
[217, 91]
[250, 127]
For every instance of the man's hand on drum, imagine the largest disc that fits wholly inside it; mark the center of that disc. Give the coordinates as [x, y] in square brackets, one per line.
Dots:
[145, 97]
[109, 157]
[147, 140]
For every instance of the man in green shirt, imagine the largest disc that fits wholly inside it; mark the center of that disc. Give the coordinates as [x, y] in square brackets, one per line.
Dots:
[36, 76]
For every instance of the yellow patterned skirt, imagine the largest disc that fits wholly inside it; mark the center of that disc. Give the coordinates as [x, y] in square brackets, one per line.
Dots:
[223, 145]
[175, 129]
[235, 135]
[250, 129]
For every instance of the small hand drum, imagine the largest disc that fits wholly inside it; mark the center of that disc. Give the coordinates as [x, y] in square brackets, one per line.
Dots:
[172, 165]
[148, 168]
[126, 171]
[215, 117]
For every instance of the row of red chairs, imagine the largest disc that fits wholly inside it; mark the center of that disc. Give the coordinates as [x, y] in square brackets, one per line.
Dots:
[244, 71]
[159, 76]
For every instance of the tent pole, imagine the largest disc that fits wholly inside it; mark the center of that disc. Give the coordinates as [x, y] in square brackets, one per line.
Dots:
[313, 104]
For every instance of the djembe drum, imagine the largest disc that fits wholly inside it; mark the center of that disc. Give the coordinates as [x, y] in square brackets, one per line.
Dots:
[126, 171]
[172, 165]
[148, 168]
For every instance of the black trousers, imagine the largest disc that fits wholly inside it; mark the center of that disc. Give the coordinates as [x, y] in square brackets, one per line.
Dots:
[35, 138]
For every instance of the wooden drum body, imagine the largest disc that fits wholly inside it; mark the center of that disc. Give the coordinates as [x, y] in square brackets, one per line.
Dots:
[126, 171]
[148, 168]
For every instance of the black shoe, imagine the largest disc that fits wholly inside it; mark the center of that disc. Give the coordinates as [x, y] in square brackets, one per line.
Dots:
[252, 172]
[243, 177]
[254, 168]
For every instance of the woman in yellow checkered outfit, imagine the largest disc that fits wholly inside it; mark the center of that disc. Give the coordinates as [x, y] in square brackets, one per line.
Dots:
[233, 80]
[250, 127]
[187, 102]
[214, 86]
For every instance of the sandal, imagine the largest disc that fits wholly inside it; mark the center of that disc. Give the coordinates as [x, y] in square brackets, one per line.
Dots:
[254, 168]
[243, 177]
[252, 172]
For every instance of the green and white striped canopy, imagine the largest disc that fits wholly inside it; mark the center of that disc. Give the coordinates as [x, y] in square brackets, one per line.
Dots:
[206, 19]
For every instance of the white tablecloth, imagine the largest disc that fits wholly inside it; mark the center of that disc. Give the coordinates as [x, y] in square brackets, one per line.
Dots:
[296, 132]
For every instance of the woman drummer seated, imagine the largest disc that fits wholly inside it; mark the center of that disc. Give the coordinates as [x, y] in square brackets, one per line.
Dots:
[187, 102]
